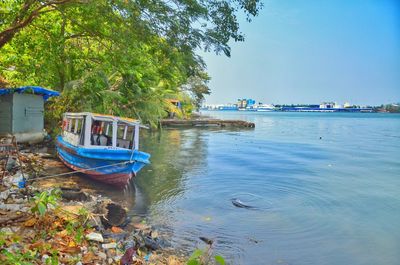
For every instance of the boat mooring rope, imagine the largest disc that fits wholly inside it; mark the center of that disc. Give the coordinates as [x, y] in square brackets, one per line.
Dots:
[79, 171]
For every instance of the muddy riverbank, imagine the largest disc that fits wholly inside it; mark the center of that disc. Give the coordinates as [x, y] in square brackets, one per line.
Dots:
[64, 220]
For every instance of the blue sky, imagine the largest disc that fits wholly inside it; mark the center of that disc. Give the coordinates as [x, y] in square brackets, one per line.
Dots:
[311, 51]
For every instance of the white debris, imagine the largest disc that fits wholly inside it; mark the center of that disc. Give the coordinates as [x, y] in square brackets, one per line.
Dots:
[117, 258]
[102, 255]
[14, 207]
[10, 181]
[95, 237]
[109, 245]
[6, 230]
[4, 195]
[44, 258]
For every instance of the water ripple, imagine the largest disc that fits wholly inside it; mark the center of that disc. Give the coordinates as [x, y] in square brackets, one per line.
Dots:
[324, 187]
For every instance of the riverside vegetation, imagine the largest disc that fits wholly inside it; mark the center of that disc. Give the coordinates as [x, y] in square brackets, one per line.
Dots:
[120, 57]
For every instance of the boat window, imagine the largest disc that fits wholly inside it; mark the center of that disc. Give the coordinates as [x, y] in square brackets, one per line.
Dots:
[72, 129]
[69, 124]
[79, 125]
[81, 131]
[101, 133]
[120, 131]
[123, 136]
[107, 129]
[130, 136]
[74, 125]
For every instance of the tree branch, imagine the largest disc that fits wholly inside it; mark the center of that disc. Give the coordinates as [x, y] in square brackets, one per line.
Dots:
[21, 21]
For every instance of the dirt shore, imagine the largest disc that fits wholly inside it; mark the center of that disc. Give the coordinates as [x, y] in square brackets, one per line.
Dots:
[56, 220]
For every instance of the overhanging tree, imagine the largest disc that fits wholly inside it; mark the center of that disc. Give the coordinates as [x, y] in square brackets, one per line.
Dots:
[117, 56]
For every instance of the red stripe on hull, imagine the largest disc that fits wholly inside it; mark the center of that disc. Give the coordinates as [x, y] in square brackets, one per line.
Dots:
[117, 179]
[65, 148]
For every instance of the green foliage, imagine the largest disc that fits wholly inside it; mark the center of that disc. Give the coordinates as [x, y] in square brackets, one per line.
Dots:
[17, 258]
[75, 229]
[219, 259]
[52, 260]
[202, 257]
[195, 257]
[25, 257]
[44, 200]
[3, 237]
[125, 60]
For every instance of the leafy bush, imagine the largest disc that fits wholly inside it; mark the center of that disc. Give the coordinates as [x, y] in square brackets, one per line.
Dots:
[43, 201]
[203, 257]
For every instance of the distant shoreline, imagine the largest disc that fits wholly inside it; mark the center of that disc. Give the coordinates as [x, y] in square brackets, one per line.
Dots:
[307, 110]
[250, 105]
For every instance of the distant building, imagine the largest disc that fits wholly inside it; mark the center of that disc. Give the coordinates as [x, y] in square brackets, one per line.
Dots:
[22, 112]
[245, 103]
[242, 103]
[250, 102]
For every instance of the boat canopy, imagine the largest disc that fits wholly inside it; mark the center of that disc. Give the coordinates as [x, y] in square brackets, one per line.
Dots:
[93, 130]
[105, 117]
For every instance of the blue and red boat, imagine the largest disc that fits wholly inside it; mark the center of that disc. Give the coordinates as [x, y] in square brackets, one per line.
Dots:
[103, 147]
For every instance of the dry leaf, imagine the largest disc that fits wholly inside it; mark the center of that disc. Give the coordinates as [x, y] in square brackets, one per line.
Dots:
[71, 244]
[88, 257]
[63, 233]
[36, 245]
[141, 226]
[116, 230]
[74, 209]
[57, 224]
[31, 222]
[172, 260]
[70, 250]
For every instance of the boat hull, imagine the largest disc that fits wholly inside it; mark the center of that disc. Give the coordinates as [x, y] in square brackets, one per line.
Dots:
[114, 167]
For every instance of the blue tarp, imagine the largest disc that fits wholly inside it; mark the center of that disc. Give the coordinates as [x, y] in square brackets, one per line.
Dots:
[46, 93]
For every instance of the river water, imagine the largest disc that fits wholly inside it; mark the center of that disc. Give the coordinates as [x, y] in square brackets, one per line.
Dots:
[325, 187]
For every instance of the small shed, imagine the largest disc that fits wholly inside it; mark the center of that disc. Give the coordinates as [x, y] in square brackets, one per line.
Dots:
[22, 112]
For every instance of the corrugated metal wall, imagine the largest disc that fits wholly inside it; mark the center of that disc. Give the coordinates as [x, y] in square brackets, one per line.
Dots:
[28, 112]
[5, 113]
[21, 113]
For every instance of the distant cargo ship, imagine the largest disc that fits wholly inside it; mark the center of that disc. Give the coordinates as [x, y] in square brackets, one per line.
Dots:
[228, 107]
[265, 107]
[319, 109]
[250, 108]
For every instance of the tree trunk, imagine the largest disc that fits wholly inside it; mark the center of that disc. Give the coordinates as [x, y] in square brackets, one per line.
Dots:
[62, 65]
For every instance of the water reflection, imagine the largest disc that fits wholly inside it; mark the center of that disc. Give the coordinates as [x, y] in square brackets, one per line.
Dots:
[325, 187]
[174, 154]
